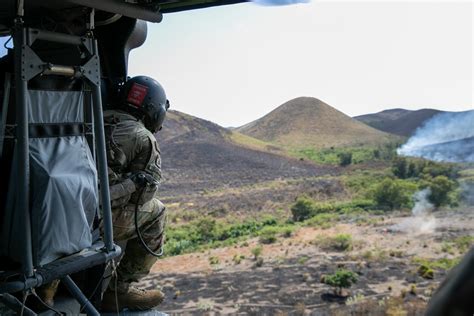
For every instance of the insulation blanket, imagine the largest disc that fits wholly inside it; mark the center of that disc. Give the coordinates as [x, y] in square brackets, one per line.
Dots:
[63, 185]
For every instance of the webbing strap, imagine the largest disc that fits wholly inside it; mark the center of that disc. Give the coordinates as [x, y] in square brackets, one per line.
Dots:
[56, 130]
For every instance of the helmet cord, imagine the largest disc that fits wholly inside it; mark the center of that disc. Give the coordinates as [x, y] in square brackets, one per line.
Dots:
[137, 229]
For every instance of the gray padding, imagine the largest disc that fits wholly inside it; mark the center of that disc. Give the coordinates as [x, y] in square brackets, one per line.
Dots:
[63, 182]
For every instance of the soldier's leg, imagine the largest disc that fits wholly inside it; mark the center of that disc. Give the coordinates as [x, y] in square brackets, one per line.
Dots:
[137, 262]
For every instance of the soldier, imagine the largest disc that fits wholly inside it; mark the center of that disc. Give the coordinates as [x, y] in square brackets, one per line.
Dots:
[134, 174]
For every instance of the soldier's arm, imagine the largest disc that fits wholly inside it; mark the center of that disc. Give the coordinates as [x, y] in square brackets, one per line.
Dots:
[148, 161]
[120, 189]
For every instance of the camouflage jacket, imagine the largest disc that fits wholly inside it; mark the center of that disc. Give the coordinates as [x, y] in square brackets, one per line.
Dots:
[130, 148]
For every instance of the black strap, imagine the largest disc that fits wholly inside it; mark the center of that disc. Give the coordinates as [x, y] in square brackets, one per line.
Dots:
[56, 130]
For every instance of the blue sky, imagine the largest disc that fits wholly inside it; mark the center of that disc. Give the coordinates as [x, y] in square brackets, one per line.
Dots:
[234, 64]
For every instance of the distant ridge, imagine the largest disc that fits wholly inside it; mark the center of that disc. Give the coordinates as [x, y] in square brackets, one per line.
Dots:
[398, 121]
[308, 122]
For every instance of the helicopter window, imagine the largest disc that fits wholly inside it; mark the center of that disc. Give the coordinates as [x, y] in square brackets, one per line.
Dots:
[5, 42]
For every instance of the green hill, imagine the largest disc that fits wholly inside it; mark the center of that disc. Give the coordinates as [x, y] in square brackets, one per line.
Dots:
[308, 122]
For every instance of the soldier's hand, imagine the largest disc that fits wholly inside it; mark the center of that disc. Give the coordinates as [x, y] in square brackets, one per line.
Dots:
[143, 179]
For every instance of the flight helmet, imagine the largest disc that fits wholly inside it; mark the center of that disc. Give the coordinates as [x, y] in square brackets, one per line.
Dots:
[145, 98]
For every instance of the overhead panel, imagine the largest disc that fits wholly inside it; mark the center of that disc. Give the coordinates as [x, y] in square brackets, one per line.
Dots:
[177, 6]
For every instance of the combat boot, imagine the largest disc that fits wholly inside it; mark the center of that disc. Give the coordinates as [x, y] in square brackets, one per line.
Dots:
[130, 297]
[46, 295]
[48, 291]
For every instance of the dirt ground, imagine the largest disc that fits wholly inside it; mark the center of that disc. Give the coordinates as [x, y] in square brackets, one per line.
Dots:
[289, 280]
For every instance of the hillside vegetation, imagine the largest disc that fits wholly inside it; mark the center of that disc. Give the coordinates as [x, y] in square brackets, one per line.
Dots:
[199, 155]
[181, 127]
[254, 231]
[308, 122]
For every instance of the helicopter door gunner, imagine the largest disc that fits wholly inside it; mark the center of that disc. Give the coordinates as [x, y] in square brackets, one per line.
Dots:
[134, 173]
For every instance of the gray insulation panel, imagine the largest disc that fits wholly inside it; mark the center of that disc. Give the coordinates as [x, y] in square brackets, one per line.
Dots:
[63, 185]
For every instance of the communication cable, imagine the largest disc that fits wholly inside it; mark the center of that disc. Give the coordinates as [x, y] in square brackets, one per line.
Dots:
[137, 230]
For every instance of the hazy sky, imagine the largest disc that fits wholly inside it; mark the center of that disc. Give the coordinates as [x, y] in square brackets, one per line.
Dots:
[234, 64]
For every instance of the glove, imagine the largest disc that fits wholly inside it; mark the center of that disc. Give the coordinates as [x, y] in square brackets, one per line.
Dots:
[143, 179]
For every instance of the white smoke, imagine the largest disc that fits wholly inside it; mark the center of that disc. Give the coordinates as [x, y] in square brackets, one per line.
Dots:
[421, 221]
[445, 137]
[422, 206]
[467, 192]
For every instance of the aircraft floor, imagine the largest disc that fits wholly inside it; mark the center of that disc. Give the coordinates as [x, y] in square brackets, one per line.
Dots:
[69, 306]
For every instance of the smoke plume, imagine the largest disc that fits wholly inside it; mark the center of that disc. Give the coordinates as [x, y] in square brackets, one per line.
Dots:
[467, 192]
[445, 137]
[422, 221]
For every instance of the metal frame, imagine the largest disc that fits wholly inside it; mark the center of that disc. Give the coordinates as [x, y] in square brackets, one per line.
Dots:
[27, 66]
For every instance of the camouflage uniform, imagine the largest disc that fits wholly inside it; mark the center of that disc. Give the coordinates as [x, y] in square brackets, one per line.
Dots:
[132, 148]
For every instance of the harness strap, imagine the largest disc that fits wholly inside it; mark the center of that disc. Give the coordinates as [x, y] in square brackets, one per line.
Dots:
[56, 130]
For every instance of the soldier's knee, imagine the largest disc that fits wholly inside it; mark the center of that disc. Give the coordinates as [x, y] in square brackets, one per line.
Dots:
[158, 207]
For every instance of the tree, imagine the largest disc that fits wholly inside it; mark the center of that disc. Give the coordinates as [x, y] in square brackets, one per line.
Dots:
[345, 158]
[440, 187]
[256, 252]
[302, 209]
[376, 153]
[399, 168]
[394, 193]
[206, 228]
[413, 170]
[342, 278]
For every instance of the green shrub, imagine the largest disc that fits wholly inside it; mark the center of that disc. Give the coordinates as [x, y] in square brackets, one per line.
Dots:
[207, 232]
[394, 193]
[174, 248]
[213, 260]
[440, 187]
[306, 208]
[404, 168]
[359, 182]
[345, 158]
[256, 252]
[340, 242]
[435, 169]
[342, 278]
[206, 228]
[442, 263]
[400, 168]
[413, 170]
[320, 208]
[376, 153]
[237, 259]
[302, 209]
[322, 220]
[302, 260]
[288, 232]
[464, 243]
[268, 235]
[425, 272]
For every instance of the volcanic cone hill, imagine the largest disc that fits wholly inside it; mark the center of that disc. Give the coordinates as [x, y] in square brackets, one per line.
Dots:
[398, 121]
[198, 155]
[308, 122]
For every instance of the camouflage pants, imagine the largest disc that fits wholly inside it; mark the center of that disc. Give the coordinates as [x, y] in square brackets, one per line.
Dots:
[137, 262]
